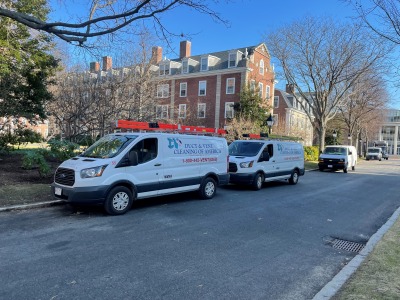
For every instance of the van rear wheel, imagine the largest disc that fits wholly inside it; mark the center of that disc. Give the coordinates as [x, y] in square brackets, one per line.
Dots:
[119, 200]
[294, 178]
[208, 188]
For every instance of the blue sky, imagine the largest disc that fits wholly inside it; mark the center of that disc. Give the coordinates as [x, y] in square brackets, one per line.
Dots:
[249, 21]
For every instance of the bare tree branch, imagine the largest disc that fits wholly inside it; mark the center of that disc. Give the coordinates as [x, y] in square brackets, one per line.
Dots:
[111, 17]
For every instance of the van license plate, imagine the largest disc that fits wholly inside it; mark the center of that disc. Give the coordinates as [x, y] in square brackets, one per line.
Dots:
[58, 191]
[329, 166]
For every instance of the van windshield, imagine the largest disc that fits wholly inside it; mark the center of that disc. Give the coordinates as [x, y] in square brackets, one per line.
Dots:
[335, 150]
[243, 148]
[108, 146]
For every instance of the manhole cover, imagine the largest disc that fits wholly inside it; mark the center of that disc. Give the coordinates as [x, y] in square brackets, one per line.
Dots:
[347, 245]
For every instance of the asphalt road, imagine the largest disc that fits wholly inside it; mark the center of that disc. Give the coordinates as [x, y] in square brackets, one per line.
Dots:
[269, 244]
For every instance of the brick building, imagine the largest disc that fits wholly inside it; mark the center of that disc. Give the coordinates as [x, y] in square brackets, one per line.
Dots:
[205, 87]
[290, 117]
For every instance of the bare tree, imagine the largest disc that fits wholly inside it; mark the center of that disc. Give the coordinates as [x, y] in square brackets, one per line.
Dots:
[88, 103]
[107, 17]
[366, 99]
[382, 16]
[323, 59]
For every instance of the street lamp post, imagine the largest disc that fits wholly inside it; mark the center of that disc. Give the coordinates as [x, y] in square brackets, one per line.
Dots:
[334, 134]
[270, 122]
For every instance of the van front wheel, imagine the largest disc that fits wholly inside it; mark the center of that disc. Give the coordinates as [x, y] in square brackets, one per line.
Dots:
[258, 181]
[208, 188]
[119, 200]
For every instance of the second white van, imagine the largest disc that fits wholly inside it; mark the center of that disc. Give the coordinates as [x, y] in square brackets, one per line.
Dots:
[338, 157]
[253, 162]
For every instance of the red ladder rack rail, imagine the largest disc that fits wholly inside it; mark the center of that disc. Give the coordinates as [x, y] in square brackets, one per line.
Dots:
[178, 128]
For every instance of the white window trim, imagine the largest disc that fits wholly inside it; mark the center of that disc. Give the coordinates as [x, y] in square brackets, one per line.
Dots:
[252, 85]
[229, 108]
[275, 117]
[261, 89]
[229, 60]
[276, 97]
[198, 110]
[261, 68]
[163, 109]
[205, 87]
[163, 88]
[201, 64]
[182, 111]
[185, 70]
[163, 68]
[267, 92]
[181, 85]
[234, 82]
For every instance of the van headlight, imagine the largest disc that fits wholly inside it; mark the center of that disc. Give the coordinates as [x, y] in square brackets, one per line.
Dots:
[247, 164]
[93, 172]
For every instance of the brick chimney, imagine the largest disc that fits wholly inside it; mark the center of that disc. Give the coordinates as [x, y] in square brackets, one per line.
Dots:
[290, 88]
[156, 55]
[94, 66]
[107, 63]
[185, 48]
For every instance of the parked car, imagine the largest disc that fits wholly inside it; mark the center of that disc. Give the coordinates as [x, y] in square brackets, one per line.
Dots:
[374, 153]
[338, 157]
[385, 155]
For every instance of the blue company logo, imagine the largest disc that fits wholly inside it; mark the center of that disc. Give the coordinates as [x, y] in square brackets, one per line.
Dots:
[280, 147]
[174, 143]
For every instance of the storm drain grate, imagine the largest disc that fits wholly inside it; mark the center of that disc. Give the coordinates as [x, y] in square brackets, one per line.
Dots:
[347, 245]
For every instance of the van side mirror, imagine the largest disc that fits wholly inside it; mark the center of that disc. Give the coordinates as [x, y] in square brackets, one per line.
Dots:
[133, 158]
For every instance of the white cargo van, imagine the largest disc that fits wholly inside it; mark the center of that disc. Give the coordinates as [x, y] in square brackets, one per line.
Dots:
[123, 167]
[338, 157]
[253, 162]
[374, 153]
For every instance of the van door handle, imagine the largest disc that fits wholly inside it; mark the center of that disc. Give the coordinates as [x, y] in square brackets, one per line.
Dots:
[157, 165]
[273, 161]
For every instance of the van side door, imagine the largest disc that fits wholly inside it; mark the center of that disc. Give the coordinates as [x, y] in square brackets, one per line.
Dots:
[146, 174]
[267, 160]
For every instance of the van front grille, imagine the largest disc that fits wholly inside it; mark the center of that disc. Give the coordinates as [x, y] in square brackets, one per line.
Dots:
[65, 176]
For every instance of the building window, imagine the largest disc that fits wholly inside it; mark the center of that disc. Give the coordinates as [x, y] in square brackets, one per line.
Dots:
[164, 69]
[229, 112]
[163, 91]
[261, 67]
[183, 89]
[204, 64]
[252, 85]
[202, 88]
[267, 92]
[260, 89]
[232, 60]
[182, 111]
[201, 110]
[162, 111]
[185, 66]
[275, 118]
[276, 101]
[230, 85]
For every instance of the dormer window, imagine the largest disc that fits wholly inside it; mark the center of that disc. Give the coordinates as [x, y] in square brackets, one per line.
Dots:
[232, 60]
[185, 66]
[164, 69]
[204, 64]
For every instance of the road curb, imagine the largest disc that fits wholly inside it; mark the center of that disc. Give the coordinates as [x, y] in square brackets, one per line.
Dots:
[332, 287]
[32, 205]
